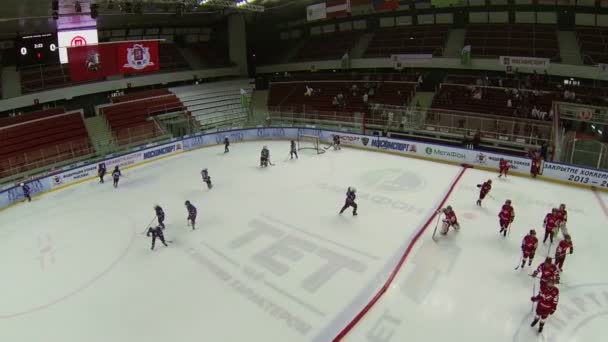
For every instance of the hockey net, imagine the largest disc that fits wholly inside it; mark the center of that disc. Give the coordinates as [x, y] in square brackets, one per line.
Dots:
[310, 142]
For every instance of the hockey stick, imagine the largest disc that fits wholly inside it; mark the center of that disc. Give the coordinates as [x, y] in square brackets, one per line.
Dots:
[148, 226]
[533, 293]
[436, 225]
[328, 146]
[521, 259]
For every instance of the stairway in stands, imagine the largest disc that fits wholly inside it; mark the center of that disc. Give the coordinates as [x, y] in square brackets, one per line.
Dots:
[218, 104]
[100, 134]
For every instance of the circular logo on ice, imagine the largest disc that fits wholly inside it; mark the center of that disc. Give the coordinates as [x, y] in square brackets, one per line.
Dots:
[581, 315]
[428, 150]
[392, 180]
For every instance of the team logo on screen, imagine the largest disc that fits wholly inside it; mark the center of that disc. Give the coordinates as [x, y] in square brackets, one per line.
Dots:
[93, 62]
[78, 41]
[138, 57]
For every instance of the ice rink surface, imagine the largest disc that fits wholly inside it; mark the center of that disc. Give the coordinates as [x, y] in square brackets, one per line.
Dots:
[271, 259]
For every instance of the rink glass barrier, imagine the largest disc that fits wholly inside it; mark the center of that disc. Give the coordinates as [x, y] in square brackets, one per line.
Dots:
[73, 174]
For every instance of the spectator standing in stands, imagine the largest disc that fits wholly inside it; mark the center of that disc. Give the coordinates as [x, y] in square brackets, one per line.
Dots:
[309, 91]
[365, 98]
[543, 150]
[509, 103]
[334, 102]
[476, 139]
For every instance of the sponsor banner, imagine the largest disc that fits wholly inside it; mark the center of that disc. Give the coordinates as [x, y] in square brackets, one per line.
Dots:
[575, 174]
[316, 12]
[76, 172]
[492, 160]
[15, 193]
[163, 150]
[524, 62]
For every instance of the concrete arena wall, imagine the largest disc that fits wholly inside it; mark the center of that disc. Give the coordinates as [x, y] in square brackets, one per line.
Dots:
[86, 171]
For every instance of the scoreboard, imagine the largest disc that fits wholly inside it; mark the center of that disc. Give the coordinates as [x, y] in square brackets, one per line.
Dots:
[37, 49]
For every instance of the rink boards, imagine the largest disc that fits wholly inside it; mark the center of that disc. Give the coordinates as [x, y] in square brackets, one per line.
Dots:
[78, 173]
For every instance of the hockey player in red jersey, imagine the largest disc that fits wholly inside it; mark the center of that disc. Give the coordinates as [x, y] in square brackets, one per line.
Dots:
[535, 167]
[562, 219]
[528, 248]
[503, 167]
[550, 225]
[450, 220]
[506, 217]
[484, 190]
[548, 272]
[562, 248]
[546, 304]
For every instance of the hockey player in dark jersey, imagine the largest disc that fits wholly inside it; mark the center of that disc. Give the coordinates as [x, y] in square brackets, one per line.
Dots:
[26, 191]
[191, 214]
[265, 157]
[160, 216]
[116, 176]
[350, 200]
[101, 171]
[206, 178]
[337, 142]
[156, 233]
[293, 151]
[226, 144]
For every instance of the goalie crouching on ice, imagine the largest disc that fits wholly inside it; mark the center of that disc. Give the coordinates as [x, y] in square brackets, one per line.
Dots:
[450, 220]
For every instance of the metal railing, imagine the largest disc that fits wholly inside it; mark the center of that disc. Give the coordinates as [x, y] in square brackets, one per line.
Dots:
[43, 160]
[518, 132]
[584, 151]
[49, 155]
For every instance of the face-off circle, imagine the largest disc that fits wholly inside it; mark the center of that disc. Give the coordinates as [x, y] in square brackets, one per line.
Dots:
[393, 180]
[55, 250]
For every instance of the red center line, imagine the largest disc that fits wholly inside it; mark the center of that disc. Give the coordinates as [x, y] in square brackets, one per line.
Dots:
[393, 274]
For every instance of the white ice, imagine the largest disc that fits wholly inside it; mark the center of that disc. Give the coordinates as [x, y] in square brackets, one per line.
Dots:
[271, 259]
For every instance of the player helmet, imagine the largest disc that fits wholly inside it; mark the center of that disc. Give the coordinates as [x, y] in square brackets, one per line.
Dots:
[205, 169]
[489, 181]
[353, 189]
[21, 184]
[554, 209]
[532, 232]
[265, 147]
[562, 206]
[449, 207]
[567, 237]
[225, 136]
[187, 203]
[508, 201]
[548, 259]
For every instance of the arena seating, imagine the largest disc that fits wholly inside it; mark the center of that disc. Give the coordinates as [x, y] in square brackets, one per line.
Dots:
[41, 138]
[170, 58]
[24, 117]
[40, 77]
[494, 40]
[269, 52]
[327, 46]
[593, 42]
[141, 95]
[418, 39]
[129, 121]
[212, 103]
[211, 54]
[290, 96]
[494, 100]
